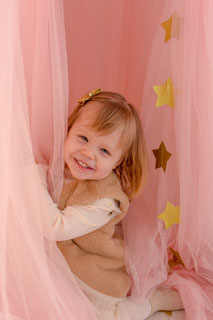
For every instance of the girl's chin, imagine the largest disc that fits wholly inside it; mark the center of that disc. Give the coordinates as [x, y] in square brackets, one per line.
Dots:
[79, 174]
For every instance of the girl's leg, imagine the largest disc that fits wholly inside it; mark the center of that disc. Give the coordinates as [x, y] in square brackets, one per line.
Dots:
[134, 308]
[176, 315]
[165, 299]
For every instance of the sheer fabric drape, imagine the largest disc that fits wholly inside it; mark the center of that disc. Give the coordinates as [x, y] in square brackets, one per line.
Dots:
[186, 131]
[35, 280]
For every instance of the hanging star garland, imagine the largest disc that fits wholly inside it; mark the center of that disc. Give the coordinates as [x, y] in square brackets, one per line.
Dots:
[170, 216]
[166, 94]
[162, 156]
[172, 27]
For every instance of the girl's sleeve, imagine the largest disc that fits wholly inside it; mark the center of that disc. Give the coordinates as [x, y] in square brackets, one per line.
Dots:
[77, 220]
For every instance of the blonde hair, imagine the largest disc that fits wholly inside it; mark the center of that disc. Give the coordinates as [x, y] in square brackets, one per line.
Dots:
[115, 111]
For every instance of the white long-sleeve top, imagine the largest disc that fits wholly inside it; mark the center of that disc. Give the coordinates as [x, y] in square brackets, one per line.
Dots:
[77, 220]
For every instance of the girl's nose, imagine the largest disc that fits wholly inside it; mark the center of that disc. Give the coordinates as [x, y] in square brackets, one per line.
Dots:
[88, 154]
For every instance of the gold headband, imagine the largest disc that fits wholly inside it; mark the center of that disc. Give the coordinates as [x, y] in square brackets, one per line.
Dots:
[88, 96]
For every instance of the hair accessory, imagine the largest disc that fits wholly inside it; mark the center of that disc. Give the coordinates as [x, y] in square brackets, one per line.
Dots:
[89, 95]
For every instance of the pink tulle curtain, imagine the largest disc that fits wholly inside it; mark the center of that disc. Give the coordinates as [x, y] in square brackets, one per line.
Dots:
[36, 282]
[180, 117]
[45, 65]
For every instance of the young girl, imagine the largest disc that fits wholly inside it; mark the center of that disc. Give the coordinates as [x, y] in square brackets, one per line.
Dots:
[105, 169]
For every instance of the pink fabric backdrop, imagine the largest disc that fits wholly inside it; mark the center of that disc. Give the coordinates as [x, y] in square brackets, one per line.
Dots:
[108, 45]
[53, 52]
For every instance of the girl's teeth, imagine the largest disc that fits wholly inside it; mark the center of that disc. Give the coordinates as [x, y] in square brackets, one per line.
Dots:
[82, 164]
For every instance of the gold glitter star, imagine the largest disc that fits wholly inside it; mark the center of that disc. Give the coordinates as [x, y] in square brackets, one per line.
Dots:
[172, 27]
[165, 94]
[176, 260]
[169, 313]
[170, 216]
[162, 156]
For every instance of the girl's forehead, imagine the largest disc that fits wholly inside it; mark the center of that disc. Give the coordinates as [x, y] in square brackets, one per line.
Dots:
[91, 119]
[84, 123]
[88, 115]
[86, 118]
[89, 111]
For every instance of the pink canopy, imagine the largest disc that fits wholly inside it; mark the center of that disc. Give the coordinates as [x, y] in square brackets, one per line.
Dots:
[159, 55]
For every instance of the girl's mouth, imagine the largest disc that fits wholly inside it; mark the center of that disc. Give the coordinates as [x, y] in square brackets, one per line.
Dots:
[82, 164]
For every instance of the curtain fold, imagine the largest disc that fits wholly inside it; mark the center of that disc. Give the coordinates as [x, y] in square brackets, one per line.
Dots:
[36, 282]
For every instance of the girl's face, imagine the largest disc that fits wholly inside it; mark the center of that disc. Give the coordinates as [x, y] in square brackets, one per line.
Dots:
[89, 155]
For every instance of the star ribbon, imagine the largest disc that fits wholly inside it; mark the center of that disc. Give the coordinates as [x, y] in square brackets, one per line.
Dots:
[166, 94]
[170, 216]
[162, 156]
[172, 27]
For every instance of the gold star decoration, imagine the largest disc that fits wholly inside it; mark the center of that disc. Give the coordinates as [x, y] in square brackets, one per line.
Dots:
[176, 259]
[162, 156]
[169, 313]
[166, 94]
[172, 27]
[170, 216]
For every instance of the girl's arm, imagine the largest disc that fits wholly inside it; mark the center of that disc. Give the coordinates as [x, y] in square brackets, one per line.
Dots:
[75, 221]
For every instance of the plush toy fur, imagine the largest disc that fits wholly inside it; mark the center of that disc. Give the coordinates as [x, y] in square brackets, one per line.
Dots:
[97, 258]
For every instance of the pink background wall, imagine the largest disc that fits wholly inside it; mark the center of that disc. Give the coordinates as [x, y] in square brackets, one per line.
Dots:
[108, 45]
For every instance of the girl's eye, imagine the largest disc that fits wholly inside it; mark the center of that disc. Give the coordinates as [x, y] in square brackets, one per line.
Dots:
[83, 138]
[105, 151]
